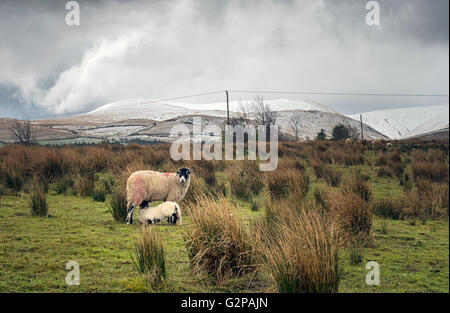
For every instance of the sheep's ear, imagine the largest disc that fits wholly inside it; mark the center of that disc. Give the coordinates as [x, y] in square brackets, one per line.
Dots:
[178, 172]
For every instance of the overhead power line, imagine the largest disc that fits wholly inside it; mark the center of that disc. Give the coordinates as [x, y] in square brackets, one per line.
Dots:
[187, 96]
[297, 92]
[340, 93]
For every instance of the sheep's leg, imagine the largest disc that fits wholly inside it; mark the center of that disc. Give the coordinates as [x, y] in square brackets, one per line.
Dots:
[130, 210]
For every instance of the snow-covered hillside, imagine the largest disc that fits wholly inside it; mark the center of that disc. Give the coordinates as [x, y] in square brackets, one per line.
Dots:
[407, 122]
[164, 110]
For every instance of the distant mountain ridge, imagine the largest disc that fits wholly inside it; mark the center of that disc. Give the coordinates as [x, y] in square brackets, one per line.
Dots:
[407, 122]
[152, 120]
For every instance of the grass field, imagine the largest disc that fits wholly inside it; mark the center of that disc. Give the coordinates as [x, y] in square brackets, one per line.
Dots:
[413, 255]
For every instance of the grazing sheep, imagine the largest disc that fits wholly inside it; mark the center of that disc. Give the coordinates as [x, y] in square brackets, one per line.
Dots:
[376, 141]
[169, 211]
[389, 145]
[148, 186]
[348, 141]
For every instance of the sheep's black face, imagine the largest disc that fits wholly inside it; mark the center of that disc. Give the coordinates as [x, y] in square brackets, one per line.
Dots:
[172, 220]
[183, 175]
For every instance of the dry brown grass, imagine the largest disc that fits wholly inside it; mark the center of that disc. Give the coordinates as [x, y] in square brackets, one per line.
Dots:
[434, 171]
[149, 257]
[332, 176]
[245, 179]
[357, 184]
[300, 252]
[285, 183]
[352, 215]
[217, 240]
[37, 200]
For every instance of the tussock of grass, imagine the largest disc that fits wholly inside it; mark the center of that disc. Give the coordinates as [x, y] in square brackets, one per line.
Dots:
[332, 176]
[358, 185]
[37, 200]
[117, 205]
[284, 183]
[245, 179]
[217, 241]
[300, 253]
[352, 215]
[149, 257]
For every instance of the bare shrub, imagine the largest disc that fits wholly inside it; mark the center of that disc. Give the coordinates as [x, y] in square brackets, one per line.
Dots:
[23, 132]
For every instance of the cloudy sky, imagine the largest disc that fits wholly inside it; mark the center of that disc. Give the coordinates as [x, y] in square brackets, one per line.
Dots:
[162, 49]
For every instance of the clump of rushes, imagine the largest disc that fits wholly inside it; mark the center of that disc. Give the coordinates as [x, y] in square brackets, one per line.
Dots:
[332, 176]
[85, 184]
[358, 185]
[355, 253]
[37, 200]
[352, 215]
[217, 241]
[149, 258]
[245, 179]
[117, 205]
[300, 252]
[287, 182]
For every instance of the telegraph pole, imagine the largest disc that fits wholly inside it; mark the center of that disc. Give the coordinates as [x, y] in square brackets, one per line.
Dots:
[362, 133]
[228, 109]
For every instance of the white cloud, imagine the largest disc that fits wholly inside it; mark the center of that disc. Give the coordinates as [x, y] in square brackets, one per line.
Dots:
[142, 49]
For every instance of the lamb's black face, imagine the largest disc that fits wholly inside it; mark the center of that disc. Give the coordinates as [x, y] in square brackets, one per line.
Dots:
[172, 219]
[183, 174]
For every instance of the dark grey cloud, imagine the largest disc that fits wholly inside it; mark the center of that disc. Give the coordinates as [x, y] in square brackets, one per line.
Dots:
[424, 21]
[157, 49]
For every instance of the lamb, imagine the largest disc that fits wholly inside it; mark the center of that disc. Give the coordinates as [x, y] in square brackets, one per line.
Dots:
[348, 141]
[169, 211]
[148, 186]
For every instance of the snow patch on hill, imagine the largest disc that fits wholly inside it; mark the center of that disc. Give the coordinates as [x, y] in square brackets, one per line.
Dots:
[406, 122]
